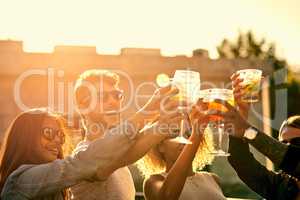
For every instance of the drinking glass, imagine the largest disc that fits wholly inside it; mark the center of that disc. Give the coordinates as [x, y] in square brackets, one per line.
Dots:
[188, 83]
[251, 82]
[215, 127]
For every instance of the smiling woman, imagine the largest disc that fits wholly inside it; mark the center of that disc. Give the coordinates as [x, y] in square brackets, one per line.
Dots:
[34, 137]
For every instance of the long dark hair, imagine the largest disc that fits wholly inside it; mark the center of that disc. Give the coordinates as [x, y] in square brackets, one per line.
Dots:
[19, 143]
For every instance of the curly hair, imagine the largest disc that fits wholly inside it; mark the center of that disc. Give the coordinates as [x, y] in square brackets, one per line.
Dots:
[154, 163]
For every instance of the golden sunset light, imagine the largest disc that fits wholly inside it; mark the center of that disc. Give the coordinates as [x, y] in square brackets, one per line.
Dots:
[150, 99]
[177, 27]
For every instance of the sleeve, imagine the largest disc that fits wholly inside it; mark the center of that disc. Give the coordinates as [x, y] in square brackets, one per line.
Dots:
[290, 163]
[37, 180]
[268, 184]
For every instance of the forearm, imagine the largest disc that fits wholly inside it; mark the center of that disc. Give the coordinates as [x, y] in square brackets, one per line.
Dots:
[297, 171]
[270, 147]
[57, 175]
[290, 163]
[264, 182]
[175, 180]
[250, 171]
[144, 142]
[140, 119]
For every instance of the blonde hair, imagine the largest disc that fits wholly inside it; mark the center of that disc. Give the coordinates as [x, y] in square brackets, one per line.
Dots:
[154, 163]
[92, 76]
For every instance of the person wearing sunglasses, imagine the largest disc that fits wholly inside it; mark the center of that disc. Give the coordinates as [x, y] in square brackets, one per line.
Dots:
[268, 184]
[33, 165]
[289, 132]
[99, 101]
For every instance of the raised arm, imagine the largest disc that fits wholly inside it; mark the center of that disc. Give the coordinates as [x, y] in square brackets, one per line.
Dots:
[270, 147]
[266, 183]
[167, 116]
[280, 154]
[161, 129]
[171, 187]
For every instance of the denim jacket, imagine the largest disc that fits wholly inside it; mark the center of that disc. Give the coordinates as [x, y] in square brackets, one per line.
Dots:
[47, 181]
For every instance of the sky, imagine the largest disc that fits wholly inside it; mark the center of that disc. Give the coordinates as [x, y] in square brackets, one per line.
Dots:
[177, 27]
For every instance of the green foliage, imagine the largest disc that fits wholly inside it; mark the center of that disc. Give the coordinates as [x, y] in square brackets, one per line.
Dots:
[248, 47]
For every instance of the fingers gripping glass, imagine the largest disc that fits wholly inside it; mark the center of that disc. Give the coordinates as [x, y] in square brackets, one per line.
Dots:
[216, 126]
[50, 134]
[251, 83]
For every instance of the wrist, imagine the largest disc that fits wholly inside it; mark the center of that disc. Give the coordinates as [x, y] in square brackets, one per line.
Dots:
[195, 137]
[156, 129]
[144, 117]
[250, 133]
[240, 131]
[139, 120]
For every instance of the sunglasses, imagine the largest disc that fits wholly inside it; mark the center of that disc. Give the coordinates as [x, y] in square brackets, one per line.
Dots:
[117, 95]
[50, 134]
[294, 141]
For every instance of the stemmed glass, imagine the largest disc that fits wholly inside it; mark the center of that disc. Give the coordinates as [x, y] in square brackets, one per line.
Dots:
[188, 82]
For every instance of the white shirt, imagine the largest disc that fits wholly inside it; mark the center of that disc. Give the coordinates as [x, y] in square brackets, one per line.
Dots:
[118, 186]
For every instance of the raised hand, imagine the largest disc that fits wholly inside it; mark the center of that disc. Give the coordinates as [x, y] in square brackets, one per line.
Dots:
[169, 118]
[198, 117]
[160, 96]
[233, 119]
[238, 92]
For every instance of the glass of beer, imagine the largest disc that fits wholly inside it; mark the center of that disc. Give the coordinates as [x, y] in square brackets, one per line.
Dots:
[215, 128]
[251, 82]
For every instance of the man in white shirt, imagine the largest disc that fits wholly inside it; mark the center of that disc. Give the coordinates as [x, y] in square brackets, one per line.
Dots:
[100, 88]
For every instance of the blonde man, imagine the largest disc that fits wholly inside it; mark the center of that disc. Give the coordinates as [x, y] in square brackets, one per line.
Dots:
[99, 100]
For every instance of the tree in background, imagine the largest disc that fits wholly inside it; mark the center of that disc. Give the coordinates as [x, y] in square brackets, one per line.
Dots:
[248, 47]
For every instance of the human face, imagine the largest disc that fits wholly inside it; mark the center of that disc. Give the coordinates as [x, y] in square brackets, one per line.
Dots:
[109, 99]
[50, 140]
[290, 134]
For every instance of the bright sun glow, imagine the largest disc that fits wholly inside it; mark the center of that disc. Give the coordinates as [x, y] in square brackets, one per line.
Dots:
[177, 27]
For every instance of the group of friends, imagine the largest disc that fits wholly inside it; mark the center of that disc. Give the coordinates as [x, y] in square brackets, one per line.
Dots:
[37, 163]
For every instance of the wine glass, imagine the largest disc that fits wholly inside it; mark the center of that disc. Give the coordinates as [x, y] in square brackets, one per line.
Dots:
[188, 83]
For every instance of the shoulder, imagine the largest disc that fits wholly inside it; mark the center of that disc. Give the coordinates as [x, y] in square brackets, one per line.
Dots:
[11, 183]
[154, 180]
[152, 185]
[20, 170]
